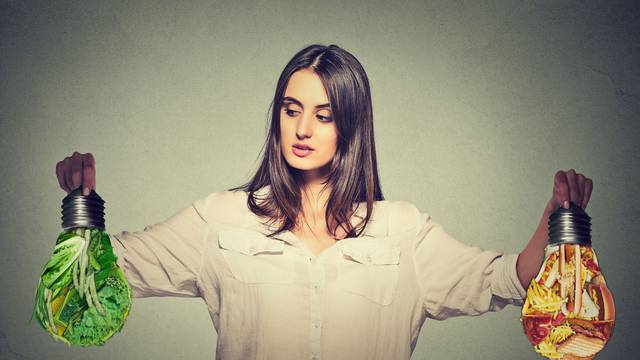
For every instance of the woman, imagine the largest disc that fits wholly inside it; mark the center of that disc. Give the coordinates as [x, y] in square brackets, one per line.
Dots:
[307, 260]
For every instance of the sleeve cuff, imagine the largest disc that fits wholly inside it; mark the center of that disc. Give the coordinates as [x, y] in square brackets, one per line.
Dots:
[506, 283]
[122, 261]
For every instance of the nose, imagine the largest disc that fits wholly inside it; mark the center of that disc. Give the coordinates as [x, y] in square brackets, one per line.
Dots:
[305, 125]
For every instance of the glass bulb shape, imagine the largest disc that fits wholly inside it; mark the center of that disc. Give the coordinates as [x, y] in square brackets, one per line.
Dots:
[83, 297]
[569, 311]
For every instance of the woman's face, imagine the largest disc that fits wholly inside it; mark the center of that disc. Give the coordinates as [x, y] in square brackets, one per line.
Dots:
[306, 119]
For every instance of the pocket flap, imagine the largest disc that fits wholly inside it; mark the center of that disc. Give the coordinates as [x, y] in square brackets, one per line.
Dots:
[365, 252]
[248, 243]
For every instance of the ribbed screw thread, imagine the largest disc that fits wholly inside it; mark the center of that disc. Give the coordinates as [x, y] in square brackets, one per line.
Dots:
[82, 211]
[570, 226]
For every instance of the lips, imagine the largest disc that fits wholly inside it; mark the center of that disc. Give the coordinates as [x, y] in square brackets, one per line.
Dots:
[302, 146]
[301, 150]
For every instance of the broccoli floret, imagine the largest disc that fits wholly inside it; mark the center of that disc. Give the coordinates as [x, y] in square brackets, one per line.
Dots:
[95, 329]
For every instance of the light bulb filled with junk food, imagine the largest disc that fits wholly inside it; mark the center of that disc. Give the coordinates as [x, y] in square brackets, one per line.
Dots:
[569, 311]
[83, 297]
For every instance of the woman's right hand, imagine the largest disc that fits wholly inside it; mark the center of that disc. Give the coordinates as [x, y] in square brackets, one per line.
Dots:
[75, 171]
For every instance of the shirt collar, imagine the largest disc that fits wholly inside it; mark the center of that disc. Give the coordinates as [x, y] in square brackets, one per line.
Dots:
[376, 227]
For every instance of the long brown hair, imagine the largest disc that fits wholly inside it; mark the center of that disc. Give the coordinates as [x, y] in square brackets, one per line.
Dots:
[353, 176]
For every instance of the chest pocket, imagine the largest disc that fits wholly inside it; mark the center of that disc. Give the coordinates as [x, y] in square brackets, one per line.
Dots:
[369, 269]
[254, 258]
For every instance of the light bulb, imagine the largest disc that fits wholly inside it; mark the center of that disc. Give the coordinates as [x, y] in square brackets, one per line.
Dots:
[83, 297]
[569, 311]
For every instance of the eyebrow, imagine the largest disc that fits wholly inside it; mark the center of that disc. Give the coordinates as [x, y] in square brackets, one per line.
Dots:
[289, 99]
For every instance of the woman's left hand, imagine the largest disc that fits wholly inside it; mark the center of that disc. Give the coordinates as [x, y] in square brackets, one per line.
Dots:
[569, 186]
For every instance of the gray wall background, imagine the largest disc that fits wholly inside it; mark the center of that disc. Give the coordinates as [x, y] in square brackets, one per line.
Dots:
[476, 105]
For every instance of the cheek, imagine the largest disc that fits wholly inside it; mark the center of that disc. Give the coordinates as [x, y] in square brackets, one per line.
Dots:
[331, 144]
[284, 133]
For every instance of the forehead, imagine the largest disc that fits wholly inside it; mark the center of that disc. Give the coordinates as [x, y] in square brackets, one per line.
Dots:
[306, 86]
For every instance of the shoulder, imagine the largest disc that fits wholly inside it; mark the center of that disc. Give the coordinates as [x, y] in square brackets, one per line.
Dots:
[404, 216]
[224, 206]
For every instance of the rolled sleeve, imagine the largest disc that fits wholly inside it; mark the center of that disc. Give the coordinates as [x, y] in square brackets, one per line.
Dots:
[165, 258]
[457, 279]
[506, 283]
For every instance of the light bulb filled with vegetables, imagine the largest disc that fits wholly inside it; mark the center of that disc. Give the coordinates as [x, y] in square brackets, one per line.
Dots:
[569, 311]
[83, 296]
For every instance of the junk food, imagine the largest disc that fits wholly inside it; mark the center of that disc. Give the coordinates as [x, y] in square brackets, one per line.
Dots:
[569, 311]
[580, 345]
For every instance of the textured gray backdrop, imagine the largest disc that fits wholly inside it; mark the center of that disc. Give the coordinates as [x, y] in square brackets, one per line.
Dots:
[476, 105]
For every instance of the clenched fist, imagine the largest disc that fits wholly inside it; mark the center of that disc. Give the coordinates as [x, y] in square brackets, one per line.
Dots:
[75, 171]
[569, 186]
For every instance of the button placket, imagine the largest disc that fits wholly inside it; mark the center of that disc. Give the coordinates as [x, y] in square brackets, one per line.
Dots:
[316, 279]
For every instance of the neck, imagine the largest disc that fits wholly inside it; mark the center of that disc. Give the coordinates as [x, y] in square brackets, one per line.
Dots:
[313, 189]
[314, 199]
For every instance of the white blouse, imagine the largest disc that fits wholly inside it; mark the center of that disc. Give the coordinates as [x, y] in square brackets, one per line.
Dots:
[272, 298]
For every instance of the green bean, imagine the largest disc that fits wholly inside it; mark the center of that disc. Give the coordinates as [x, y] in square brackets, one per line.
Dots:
[87, 266]
[82, 269]
[94, 295]
[87, 281]
[88, 297]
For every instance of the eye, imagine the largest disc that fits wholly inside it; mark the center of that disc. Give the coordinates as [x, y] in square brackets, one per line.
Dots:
[290, 112]
[324, 118]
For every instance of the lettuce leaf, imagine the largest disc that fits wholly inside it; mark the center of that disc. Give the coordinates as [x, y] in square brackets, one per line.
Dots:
[64, 255]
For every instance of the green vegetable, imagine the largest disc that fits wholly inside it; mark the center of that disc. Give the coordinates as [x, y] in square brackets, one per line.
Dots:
[64, 255]
[83, 297]
[72, 305]
[92, 328]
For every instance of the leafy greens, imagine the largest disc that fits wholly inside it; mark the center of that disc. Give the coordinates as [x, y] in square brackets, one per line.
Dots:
[83, 296]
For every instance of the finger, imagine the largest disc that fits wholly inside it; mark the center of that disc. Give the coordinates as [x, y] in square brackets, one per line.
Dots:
[88, 174]
[60, 176]
[580, 179]
[66, 167]
[93, 163]
[76, 170]
[574, 196]
[588, 187]
[561, 189]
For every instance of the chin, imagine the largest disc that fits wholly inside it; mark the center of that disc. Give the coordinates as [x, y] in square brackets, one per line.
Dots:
[301, 165]
[304, 164]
